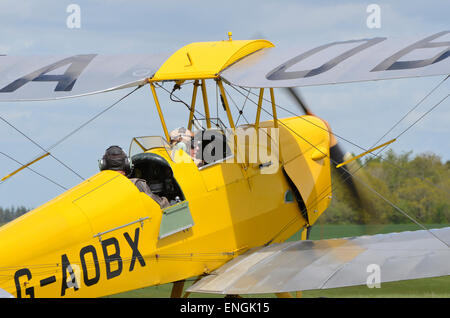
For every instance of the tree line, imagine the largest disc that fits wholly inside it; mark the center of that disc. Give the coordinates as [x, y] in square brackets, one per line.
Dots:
[9, 214]
[418, 186]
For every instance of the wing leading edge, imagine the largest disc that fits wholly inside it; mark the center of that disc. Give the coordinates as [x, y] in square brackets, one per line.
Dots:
[323, 264]
[344, 61]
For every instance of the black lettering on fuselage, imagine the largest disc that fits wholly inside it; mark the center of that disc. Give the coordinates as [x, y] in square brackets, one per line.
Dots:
[67, 267]
[134, 247]
[28, 291]
[65, 81]
[96, 277]
[112, 258]
[280, 73]
[392, 63]
[47, 281]
[91, 274]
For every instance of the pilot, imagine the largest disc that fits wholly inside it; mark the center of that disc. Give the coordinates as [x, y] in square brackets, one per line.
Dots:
[182, 138]
[116, 159]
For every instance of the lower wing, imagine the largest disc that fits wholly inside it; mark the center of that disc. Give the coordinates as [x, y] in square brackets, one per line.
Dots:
[323, 264]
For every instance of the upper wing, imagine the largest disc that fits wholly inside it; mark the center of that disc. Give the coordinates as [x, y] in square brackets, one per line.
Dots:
[343, 61]
[45, 78]
[306, 265]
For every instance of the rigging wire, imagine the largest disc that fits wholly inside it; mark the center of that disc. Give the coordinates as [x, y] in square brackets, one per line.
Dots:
[352, 175]
[404, 131]
[305, 119]
[39, 146]
[401, 211]
[41, 175]
[241, 111]
[48, 268]
[344, 139]
[186, 256]
[180, 100]
[74, 131]
[426, 113]
[411, 110]
[95, 117]
[382, 149]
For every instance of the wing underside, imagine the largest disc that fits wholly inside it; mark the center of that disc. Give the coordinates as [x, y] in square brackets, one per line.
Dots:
[47, 78]
[323, 264]
[343, 62]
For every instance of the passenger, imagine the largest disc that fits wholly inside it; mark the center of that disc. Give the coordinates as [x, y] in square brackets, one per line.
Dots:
[182, 138]
[116, 159]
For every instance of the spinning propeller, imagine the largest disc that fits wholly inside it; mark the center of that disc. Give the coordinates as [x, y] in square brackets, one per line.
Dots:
[337, 155]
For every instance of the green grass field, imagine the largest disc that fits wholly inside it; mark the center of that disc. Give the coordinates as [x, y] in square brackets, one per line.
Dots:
[438, 287]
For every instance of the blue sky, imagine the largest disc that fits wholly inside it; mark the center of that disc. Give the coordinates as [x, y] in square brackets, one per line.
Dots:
[360, 112]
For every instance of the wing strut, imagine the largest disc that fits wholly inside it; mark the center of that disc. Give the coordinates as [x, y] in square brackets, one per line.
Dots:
[24, 166]
[161, 116]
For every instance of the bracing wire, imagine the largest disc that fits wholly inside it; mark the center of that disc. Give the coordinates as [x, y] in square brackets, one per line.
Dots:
[94, 117]
[34, 171]
[352, 174]
[40, 147]
[382, 149]
[183, 102]
[72, 132]
[411, 110]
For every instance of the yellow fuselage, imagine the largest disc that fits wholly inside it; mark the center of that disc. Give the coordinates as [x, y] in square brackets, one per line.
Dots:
[56, 250]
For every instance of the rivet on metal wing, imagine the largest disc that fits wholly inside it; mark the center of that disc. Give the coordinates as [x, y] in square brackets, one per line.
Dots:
[323, 264]
[343, 61]
[45, 78]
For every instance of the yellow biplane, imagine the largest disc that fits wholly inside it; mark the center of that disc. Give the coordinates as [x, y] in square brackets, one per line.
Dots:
[229, 216]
